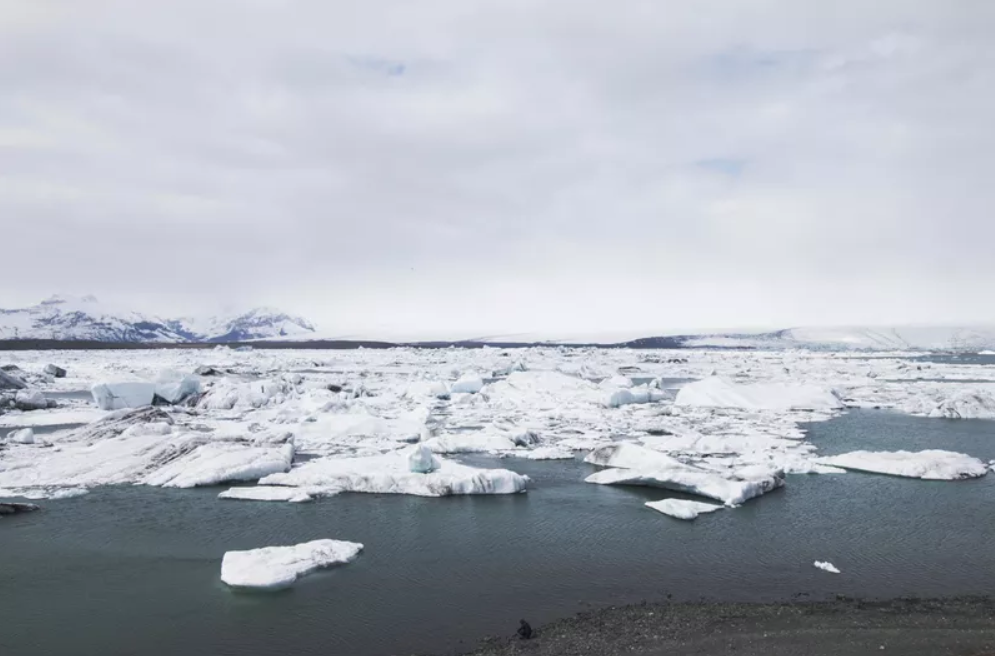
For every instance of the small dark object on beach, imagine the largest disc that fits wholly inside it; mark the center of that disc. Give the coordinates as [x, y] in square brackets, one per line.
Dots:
[525, 631]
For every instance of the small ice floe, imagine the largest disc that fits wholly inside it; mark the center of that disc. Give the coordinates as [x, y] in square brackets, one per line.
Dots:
[682, 508]
[267, 493]
[278, 567]
[826, 567]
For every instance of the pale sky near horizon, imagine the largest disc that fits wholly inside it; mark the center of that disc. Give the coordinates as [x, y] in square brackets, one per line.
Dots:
[503, 165]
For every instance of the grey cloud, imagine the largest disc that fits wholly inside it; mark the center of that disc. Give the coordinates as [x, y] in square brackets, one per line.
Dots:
[503, 165]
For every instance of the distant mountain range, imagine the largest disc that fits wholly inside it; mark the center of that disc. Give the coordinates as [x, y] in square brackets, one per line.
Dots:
[64, 318]
[87, 319]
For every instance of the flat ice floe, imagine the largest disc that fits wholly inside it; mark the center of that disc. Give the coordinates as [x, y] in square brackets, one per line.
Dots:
[278, 567]
[716, 392]
[682, 508]
[391, 473]
[930, 465]
[267, 493]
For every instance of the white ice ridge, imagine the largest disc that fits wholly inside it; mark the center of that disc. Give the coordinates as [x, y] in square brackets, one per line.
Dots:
[932, 464]
[391, 473]
[278, 567]
[716, 392]
[826, 567]
[682, 508]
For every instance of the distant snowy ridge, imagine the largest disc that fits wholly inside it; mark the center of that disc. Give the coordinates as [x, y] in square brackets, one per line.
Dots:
[87, 319]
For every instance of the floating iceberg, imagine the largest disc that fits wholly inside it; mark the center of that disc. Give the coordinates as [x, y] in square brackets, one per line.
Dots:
[716, 392]
[682, 508]
[731, 491]
[930, 465]
[391, 473]
[266, 493]
[278, 567]
[117, 396]
[826, 567]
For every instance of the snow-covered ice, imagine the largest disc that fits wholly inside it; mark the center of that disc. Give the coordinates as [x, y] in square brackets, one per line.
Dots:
[31, 400]
[931, 464]
[716, 392]
[422, 460]
[467, 384]
[826, 567]
[731, 489]
[682, 508]
[278, 567]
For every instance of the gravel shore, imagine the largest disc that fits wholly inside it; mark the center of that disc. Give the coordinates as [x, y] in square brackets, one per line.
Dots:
[944, 627]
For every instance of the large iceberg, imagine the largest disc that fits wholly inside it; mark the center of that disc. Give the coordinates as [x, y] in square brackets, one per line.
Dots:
[278, 567]
[682, 508]
[391, 473]
[932, 464]
[716, 392]
[117, 396]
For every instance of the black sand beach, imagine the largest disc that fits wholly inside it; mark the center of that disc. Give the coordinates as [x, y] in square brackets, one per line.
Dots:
[845, 627]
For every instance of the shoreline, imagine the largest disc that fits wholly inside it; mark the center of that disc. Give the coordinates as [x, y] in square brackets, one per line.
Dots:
[958, 626]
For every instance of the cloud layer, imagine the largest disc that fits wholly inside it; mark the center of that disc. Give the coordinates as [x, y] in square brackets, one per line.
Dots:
[503, 165]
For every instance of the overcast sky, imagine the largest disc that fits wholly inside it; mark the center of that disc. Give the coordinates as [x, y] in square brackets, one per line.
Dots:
[503, 165]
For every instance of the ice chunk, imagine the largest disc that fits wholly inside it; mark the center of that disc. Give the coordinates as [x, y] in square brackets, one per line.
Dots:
[33, 400]
[173, 386]
[627, 455]
[715, 392]
[267, 493]
[220, 462]
[682, 508]
[930, 465]
[544, 453]
[966, 405]
[731, 491]
[57, 372]
[279, 567]
[22, 436]
[117, 396]
[391, 473]
[9, 382]
[44, 492]
[468, 384]
[470, 443]
[422, 460]
[436, 389]
[826, 567]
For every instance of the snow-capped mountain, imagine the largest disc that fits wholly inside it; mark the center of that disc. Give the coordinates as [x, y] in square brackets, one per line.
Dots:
[86, 318]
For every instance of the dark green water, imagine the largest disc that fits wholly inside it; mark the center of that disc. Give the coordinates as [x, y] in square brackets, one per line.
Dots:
[128, 571]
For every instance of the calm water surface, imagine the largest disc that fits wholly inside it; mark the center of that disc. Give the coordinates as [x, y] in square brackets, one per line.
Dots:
[127, 571]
